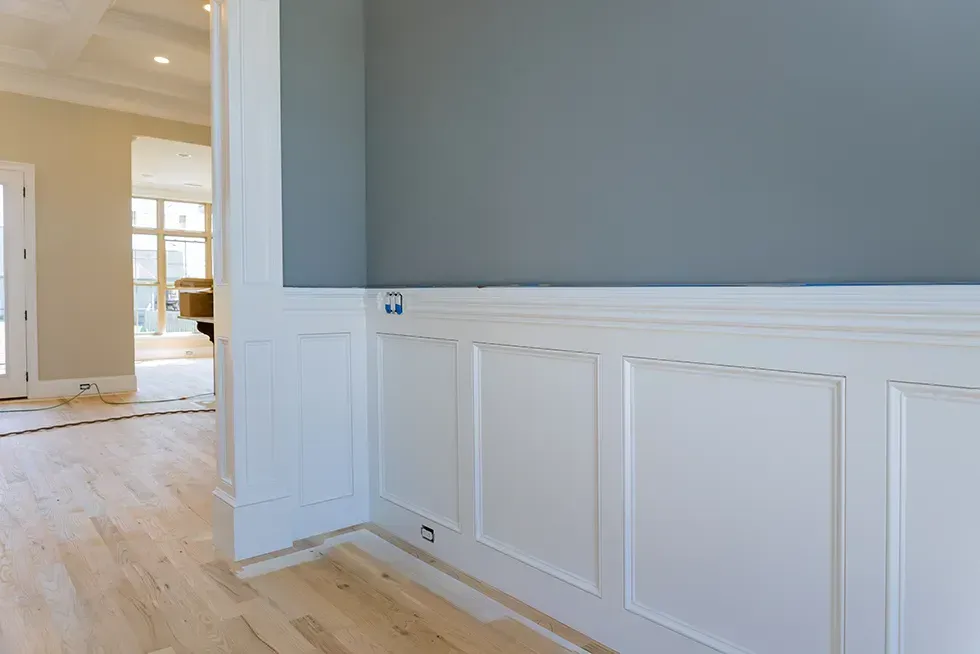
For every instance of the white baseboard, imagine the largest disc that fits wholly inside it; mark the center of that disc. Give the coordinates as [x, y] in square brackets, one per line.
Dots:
[56, 388]
[174, 346]
[243, 531]
[159, 354]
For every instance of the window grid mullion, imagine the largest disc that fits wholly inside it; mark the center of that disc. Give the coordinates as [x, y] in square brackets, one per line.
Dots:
[161, 272]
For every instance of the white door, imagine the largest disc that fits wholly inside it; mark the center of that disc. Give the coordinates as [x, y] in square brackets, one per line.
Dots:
[13, 304]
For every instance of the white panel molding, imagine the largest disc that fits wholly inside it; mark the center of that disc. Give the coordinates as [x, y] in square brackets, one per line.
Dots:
[838, 565]
[324, 403]
[937, 315]
[592, 586]
[258, 82]
[259, 434]
[445, 521]
[337, 384]
[224, 395]
[898, 395]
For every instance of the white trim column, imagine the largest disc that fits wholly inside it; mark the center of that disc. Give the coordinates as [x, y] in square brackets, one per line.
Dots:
[252, 505]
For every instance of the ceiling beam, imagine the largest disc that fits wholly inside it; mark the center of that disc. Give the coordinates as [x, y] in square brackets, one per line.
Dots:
[125, 76]
[70, 38]
[56, 86]
[119, 24]
[42, 11]
[21, 57]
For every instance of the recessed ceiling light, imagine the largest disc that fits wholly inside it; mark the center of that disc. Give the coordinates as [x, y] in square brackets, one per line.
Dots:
[207, 7]
[192, 185]
[184, 155]
[161, 60]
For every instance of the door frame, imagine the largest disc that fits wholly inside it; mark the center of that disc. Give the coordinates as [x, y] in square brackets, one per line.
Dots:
[30, 270]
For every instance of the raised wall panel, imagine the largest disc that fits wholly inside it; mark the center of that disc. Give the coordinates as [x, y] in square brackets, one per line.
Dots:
[224, 396]
[259, 432]
[734, 496]
[934, 523]
[418, 420]
[537, 459]
[261, 207]
[326, 431]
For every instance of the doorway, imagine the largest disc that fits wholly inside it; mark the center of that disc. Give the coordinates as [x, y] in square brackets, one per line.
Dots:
[172, 236]
[13, 280]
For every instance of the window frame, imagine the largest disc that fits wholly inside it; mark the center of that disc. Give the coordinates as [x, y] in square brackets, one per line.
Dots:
[161, 235]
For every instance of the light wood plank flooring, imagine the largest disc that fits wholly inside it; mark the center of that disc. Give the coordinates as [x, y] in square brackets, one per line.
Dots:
[105, 546]
[157, 380]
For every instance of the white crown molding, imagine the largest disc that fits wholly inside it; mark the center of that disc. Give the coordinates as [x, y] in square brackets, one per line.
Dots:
[943, 315]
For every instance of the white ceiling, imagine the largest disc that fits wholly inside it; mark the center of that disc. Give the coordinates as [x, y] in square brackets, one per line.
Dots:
[161, 170]
[100, 52]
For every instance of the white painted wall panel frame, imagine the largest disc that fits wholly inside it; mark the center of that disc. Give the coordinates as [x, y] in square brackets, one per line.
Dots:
[933, 577]
[408, 418]
[836, 570]
[556, 419]
[224, 393]
[326, 445]
[258, 433]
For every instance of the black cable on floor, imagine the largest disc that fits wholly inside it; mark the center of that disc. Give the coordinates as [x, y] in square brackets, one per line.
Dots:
[96, 421]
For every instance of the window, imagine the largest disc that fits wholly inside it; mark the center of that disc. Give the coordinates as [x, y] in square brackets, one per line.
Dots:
[170, 240]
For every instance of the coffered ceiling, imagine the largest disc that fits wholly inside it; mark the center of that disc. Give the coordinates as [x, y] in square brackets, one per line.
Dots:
[101, 53]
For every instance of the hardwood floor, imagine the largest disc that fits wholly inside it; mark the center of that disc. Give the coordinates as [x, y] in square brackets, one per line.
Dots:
[105, 546]
[157, 380]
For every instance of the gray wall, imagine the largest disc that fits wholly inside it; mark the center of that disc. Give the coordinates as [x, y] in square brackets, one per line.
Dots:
[322, 54]
[673, 141]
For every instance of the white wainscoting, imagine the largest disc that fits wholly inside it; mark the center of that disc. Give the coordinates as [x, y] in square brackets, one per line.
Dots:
[693, 471]
[323, 356]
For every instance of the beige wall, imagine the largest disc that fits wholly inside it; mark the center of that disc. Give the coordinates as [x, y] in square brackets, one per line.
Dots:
[84, 271]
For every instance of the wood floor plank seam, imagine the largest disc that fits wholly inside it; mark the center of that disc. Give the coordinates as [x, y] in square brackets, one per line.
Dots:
[105, 546]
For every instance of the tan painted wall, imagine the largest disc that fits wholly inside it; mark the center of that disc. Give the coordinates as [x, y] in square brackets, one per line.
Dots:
[84, 271]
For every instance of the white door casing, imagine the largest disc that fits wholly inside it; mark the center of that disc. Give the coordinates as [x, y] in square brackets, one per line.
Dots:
[13, 269]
